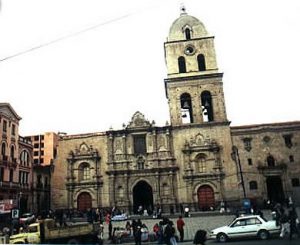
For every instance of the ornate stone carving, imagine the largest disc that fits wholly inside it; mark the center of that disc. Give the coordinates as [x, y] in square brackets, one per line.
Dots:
[138, 120]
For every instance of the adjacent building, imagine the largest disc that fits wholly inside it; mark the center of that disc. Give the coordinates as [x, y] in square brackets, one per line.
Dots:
[44, 153]
[15, 163]
[198, 160]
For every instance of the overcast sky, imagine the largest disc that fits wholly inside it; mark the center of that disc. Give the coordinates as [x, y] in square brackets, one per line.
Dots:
[80, 66]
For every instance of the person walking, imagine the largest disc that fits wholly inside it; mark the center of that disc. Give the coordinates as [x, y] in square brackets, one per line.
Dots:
[292, 222]
[180, 225]
[200, 237]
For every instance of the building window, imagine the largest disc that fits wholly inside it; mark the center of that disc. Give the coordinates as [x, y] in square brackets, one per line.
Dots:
[42, 137]
[291, 157]
[140, 163]
[250, 162]
[201, 163]
[253, 185]
[12, 152]
[1, 174]
[295, 182]
[25, 158]
[247, 144]
[4, 126]
[201, 62]
[3, 149]
[13, 130]
[11, 175]
[36, 161]
[181, 64]
[140, 144]
[36, 138]
[41, 160]
[36, 145]
[288, 140]
[36, 153]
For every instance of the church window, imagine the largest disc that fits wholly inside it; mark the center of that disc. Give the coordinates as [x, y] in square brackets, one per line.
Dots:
[186, 108]
[291, 157]
[187, 33]
[250, 162]
[11, 175]
[139, 142]
[181, 64]
[270, 161]
[247, 144]
[201, 163]
[207, 107]
[253, 185]
[84, 171]
[288, 140]
[201, 62]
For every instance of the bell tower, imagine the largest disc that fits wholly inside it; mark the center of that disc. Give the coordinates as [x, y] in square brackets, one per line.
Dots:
[194, 85]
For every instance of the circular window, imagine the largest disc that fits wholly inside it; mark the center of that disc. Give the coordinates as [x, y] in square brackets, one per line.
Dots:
[189, 50]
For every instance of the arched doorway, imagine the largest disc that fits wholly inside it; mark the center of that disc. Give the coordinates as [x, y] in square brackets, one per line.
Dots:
[206, 197]
[84, 201]
[142, 197]
[275, 189]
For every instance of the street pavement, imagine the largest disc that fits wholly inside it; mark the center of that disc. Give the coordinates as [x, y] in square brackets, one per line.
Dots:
[205, 221]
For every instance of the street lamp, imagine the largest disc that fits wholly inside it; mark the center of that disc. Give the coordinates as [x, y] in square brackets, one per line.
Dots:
[236, 157]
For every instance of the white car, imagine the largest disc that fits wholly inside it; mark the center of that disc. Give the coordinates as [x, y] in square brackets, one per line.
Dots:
[119, 217]
[246, 226]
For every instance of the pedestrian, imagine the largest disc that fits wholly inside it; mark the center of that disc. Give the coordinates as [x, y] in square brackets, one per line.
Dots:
[110, 228]
[180, 225]
[292, 222]
[138, 235]
[285, 226]
[200, 237]
[169, 233]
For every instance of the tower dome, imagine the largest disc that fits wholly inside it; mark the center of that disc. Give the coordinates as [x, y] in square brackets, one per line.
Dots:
[186, 22]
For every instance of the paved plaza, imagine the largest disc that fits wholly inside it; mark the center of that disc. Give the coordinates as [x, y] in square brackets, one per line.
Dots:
[204, 221]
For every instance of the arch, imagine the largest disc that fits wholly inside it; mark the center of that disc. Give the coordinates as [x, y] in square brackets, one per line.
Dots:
[186, 108]
[142, 197]
[271, 161]
[84, 201]
[84, 171]
[181, 65]
[201, 62]
[207, 106]
[206, 197]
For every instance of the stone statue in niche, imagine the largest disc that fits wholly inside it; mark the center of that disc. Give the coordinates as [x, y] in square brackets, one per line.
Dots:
[119, 147]
[161, 143]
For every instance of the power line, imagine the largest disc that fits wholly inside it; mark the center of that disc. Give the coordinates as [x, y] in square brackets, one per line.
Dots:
[70, 35]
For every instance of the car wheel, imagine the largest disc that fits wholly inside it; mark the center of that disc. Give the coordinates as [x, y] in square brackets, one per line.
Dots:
[222, 237]
[263, 234]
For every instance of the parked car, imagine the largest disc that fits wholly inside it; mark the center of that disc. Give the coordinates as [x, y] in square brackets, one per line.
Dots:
[246, 226]
[27, 218]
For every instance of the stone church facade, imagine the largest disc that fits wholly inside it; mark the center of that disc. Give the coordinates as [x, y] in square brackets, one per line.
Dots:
[197, 160]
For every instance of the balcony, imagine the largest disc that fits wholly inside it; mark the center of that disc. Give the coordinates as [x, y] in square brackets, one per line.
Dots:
[9, 185]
